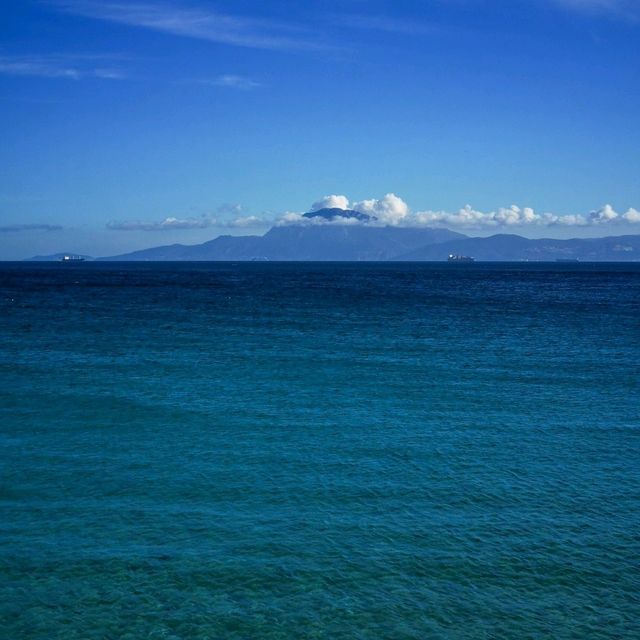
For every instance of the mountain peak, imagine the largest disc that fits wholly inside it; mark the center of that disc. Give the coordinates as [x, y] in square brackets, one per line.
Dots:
[329, 213]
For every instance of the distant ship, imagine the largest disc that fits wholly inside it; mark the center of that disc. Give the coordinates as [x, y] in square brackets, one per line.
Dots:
[568, 260]
[72, 259]
[455, 258]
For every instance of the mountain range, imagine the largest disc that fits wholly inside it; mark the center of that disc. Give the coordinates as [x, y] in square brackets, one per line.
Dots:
[323, 242]
[353, 241]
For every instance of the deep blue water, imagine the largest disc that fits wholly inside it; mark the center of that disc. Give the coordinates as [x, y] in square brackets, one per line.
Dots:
[364, 451]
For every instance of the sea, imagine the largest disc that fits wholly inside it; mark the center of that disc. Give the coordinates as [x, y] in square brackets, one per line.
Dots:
[194, 451]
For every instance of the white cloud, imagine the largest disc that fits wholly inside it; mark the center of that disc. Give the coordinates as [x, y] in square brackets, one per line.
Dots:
[390, 210]
[573, 220]
[632, 216]
[604, 215]
[331, 202]
[512, 216]
[290, 217]
[516, 216]
[472, 218]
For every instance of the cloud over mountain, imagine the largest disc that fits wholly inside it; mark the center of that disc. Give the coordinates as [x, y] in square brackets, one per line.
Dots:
[331, 202]
[391, 210]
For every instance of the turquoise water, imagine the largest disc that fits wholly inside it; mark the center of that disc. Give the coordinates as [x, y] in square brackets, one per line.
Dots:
[319, 451]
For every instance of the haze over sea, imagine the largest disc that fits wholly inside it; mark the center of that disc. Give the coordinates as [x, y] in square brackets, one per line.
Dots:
[202, 451]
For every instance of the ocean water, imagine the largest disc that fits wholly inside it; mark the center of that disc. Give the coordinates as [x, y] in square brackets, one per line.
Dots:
[339, 451]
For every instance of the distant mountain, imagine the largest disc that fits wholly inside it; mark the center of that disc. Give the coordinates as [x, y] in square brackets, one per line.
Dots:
[57, 257]
[220, 248]
[329, 213]
[348, 243]
[506, 247]
[371, 243]
[299, 242]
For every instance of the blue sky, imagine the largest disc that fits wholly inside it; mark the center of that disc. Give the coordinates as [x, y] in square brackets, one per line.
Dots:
[133, 124]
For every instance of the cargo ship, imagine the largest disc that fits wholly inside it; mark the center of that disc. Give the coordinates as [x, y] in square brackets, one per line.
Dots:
[68, 258]
[456, 258]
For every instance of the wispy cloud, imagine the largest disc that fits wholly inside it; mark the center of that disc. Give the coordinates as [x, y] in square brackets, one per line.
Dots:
[627, 9]
[205, 221]
[168, 224]
[194, 22]
[247, 221]
[63, 67]
[16, 228]
[230, 81]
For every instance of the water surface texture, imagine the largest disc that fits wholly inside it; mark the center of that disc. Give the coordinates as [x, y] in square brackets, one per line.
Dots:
[356, 451]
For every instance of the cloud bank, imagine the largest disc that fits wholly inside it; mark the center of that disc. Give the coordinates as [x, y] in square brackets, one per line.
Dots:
[391, 210]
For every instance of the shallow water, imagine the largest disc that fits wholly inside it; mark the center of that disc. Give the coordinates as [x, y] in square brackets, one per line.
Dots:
[319, 451]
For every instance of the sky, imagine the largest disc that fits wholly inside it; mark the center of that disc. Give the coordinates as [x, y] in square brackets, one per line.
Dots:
[127, 124]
